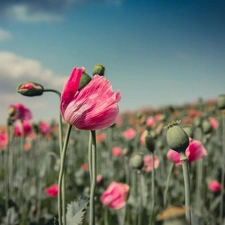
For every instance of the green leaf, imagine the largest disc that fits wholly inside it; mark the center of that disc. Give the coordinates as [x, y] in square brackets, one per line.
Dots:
[76, 212]
[11, 217]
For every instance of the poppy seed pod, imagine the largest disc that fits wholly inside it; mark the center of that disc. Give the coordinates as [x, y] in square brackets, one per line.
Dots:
[206, 126]
[176, 137]
[85, 79]
[221, 102]
[30, 89]
[137, 161]
[99, 69]
[189, 131]
[198, 121]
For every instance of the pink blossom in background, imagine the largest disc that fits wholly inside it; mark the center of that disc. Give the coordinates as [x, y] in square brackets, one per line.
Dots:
[20, 127]
[194, 151]
[100, 137]
[129, 134]
[214, 186]
[148, 163]
[45, 128]
[94, 107]
[143, 136]
[214, 123]
[20, 112]
[99, 179]
[52, 191]
[117, 151]
[150, 122]
[27, 146]
[115, 195]
[3, 140]
[158, 117]
[84, 166]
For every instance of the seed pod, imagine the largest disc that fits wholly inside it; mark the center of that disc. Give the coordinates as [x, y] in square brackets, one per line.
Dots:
[221, 102]
[206, 126]
[85, 79]
[137, 161]
[99, 69]
[189, 131]
[150, 143]
[176, 137]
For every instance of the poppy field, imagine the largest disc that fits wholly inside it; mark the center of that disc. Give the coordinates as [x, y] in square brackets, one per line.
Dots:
[98, 166]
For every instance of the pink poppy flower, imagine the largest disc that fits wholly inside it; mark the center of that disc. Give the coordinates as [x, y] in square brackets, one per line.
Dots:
[19, 112]
[117, 151]
[115, 195]
[99, 179]
[194, 151]
[143, 136]
[214, 123]
[3, 140]
[52, 191]
[100, 137]
[214, 186]
[26, 126]
[129, 134]
[148, 163]
[158, 117]
[45, 128]
[150, 122]
[94, 107]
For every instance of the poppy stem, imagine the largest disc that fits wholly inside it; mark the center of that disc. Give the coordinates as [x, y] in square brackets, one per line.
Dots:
[140, 177]
[89, 156]
[61, 175]
[94, 175]
[153, 190]
[223, 168]
[186, 175]
[168, 183]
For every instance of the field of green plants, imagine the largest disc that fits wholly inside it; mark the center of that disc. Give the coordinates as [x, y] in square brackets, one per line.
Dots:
[98, 166]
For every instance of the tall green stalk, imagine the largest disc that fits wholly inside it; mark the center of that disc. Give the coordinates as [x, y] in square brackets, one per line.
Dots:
[61, 174]
[168, 184]
[152, 191]
[223, 169]
[94, 175]
[186, 175]
[140, 177]
[89, 156]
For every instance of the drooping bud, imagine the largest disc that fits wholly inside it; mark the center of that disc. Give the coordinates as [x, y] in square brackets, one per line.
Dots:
[150, 143]
[221, 102]
[137, 161]
[176, 137]
[85, 79]
[30, 89]
[99, 69]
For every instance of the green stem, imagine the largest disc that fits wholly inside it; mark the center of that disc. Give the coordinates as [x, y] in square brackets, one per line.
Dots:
[140, 177]
[199, 186]
[94, 175]
[89, 156]
[223, 169]
[186, 175]
[152, 191]
[106, 216]
[61, 173]
[168, 184]
[61, 149]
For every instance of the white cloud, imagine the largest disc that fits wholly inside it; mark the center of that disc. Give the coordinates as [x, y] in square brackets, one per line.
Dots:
[4, 35]
[15, 70]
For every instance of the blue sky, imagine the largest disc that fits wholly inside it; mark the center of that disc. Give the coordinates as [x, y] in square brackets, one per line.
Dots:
[155, 52]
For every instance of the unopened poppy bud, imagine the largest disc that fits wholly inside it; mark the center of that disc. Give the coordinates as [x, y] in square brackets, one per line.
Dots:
[137, 161]
[85, 79]
[176, 137]
[150, 143]
[99, 69]
[206, 126]
[189, 131]
[30, 89]
[11, 112]
[221, 102]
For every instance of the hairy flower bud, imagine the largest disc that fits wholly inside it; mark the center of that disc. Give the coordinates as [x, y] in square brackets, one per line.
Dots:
[99, 69]
[85, 79]
[30, 89]
[221, 102]
[150, 143]
[176, 137]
